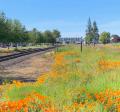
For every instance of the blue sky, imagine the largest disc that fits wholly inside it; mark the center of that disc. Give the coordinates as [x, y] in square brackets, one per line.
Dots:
[68, 16]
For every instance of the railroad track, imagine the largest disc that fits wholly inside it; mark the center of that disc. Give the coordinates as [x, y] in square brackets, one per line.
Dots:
[24, 53]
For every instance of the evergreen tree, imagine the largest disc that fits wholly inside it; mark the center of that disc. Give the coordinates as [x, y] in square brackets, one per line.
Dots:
[89, 32]
[95, 32]
[89, 27]
[92, 34]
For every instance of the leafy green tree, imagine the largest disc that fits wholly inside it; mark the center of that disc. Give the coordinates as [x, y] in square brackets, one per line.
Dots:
[105, 37]
[13, 32]
[33, 35]
[89, 38]
[6, 31]
[24, 36]
[48, 36]
[40, 38]
[9, 32]
[2, 27]
[56, 34]
[17, 32]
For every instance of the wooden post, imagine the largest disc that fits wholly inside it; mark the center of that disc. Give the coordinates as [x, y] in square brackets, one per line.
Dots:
[81, 46]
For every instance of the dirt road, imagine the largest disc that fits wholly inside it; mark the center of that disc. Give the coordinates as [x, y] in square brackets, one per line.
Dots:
[29, 69]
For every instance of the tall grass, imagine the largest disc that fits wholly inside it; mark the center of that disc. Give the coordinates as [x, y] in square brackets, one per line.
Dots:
[77, 75]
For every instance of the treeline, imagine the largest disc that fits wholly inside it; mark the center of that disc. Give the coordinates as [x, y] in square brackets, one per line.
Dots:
[13, 32]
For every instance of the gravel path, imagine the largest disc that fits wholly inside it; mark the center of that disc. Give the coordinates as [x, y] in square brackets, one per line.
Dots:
[27, 68]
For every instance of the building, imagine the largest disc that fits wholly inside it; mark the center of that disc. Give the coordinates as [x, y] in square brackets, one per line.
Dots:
[115, 39]
[67, 40]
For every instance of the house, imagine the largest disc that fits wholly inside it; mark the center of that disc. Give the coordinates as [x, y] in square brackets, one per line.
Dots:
[115, 39]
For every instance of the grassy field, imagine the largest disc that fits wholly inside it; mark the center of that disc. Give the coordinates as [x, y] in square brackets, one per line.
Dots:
[77, 82]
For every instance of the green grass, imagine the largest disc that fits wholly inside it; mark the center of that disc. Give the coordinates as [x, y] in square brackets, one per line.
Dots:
[83, 75]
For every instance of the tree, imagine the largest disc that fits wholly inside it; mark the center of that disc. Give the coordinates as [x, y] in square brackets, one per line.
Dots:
[95, 32]
[40, 38]
[92, 34]
[9, 32]
[24, 36]
[33, 35]
[2, 27]
[56, 34]
[89, 38]
[105, 37]
[17, 32]
[89, 32]
[48, 36]
[12, 31]
[89, 27]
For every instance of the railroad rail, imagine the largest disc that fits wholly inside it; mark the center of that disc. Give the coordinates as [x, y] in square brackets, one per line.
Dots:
[24, 53]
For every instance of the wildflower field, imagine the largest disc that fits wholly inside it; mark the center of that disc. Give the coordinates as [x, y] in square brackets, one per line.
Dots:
[77, 82]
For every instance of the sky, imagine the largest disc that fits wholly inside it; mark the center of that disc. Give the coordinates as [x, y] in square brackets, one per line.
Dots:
[68, 16]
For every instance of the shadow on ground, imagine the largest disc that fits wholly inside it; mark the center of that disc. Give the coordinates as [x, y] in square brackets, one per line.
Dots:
[10, 79]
